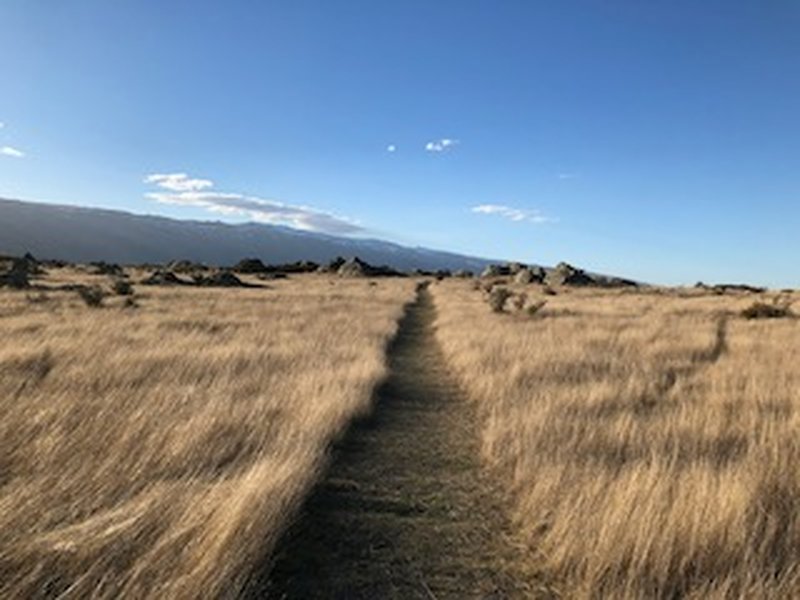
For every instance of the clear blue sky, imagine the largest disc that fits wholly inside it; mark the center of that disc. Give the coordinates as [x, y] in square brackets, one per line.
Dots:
[657, 140]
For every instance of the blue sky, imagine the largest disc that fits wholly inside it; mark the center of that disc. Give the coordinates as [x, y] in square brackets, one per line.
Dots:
[656, 140]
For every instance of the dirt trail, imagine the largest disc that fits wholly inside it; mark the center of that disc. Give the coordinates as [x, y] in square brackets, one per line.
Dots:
[405, 510]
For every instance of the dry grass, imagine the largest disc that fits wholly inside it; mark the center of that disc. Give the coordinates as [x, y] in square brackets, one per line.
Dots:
[652, 442]
[158, 451]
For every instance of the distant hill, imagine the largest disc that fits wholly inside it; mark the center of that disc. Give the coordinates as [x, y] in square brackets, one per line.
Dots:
[78, 234]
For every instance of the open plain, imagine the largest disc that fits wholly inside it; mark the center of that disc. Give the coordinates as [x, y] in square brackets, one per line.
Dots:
[333, 437]
[157, 450]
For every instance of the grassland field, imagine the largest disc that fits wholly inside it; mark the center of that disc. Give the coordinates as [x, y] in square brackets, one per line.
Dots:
[646, 441]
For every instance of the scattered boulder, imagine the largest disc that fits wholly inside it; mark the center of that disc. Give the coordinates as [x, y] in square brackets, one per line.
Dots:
[220, 279]
[255, 266]
[523, 276]
[272, 276]
[724, 288]
[566, 274]
[530, 275]
[355, 267]
[163, 277]
[738, 288]
[463, 274]
[495, 271]
[250, 265]
[333, 266]
[538, 273]
[762, 310]
[615, 282]
[223, 278]
[442, 274]
[515, 267]
[186, 266]
[300, 266]
[439, 274]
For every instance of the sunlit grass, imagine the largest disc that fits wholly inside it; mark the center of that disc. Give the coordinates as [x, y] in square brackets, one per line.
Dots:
[651, 441]
[158, 451]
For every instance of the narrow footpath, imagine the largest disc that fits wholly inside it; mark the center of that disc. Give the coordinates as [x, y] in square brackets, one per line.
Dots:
[405, 510]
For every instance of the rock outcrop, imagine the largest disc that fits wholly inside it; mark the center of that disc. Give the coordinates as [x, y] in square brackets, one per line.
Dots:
[250, 265]
[220, 279]
[566, 274]
[163, 277]
[355, 267]
[530, 275]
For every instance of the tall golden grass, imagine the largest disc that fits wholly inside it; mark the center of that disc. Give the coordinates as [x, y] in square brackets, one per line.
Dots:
[652, 442]
[158, 451]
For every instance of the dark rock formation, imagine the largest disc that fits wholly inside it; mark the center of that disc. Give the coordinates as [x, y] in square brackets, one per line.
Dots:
[103, 268]
[530, 275]
[739, 288]
[355, 267]
[186, 266]
[163, 277]
[250, 265]
[220, 279]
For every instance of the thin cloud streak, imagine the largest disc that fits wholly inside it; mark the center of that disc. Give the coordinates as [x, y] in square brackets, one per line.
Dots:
[513, 214]
[178, 182]
[182, 190]
[12, 152]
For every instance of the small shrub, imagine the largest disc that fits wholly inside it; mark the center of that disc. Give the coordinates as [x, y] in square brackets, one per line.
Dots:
[17, 277]
[762, 310]
[519, 300]
[548, 291]
[130, 303]
[497, 298]
[122, 287]
[39, 298]
[92, 296]
[534, 308]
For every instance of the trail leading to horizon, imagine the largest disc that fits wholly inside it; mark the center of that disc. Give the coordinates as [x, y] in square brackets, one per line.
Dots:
[405, 510]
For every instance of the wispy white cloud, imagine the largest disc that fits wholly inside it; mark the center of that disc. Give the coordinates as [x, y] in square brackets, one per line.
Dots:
[441, 145]
[391, 148]
[567, 175]
[2, 124]
[12, 152]
[513, 214]
[182, 190]
[178, 182]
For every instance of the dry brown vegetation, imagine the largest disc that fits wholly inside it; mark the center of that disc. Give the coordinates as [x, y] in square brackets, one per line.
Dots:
[156, 444]
[157, 451]
[652, 441]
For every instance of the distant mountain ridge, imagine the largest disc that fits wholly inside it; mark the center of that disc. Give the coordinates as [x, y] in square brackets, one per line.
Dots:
[80, 234]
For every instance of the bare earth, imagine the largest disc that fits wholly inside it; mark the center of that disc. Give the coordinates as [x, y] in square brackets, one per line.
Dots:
[405, 510]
